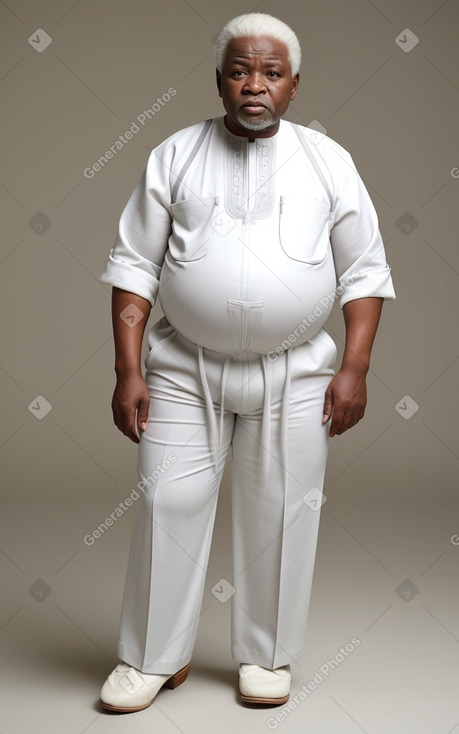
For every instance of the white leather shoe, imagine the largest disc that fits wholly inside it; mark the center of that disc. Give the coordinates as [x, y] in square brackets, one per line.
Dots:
[128, 689]
[262, 685]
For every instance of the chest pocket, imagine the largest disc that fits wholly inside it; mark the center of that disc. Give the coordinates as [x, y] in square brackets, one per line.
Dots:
[304, 229]
[192, 228]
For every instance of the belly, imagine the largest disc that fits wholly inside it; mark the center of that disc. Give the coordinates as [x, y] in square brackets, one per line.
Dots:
[241, 301]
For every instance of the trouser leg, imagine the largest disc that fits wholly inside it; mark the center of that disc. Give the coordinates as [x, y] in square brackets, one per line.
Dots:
[275, 525]
[174, 520]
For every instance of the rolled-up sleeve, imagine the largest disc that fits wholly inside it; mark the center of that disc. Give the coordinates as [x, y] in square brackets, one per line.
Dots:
[358, 249]
[135, 260]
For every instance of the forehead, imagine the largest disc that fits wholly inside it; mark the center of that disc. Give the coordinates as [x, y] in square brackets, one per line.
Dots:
[251, 48]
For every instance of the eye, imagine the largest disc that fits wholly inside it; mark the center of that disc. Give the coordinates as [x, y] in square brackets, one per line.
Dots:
[273, 74]
[238, 73]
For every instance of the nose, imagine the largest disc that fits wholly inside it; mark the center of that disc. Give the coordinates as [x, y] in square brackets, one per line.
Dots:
[254, 83]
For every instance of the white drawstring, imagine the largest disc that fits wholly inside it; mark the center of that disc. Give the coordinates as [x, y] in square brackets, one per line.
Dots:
[284, 417]
[212, 421]
[216, 430]
[266, 420]
[222, 400]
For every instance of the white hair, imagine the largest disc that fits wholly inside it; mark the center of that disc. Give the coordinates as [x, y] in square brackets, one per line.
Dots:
[258, 24]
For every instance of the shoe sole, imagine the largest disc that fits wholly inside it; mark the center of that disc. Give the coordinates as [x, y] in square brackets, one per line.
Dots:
[173, 682]
[270, 701]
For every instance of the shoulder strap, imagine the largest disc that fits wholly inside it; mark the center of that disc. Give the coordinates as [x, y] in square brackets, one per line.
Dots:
[315, 165]
[190, 158]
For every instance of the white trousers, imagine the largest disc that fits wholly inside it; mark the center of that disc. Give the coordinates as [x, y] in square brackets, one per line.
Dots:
[269, 410]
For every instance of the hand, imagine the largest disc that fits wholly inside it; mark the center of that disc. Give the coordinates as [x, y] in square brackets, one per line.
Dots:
[130, 397]
[345, 400]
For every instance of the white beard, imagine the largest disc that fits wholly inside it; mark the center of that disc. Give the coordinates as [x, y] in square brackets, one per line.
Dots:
[255, 124]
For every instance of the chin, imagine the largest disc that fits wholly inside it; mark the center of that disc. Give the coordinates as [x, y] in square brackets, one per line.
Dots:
[255, 124]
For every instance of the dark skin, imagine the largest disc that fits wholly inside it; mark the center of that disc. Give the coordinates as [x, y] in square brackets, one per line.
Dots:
[346, 395]
[131, 397]
[256, 86]
[258, 71]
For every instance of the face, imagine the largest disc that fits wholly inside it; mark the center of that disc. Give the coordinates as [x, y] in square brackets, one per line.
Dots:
[256, 85]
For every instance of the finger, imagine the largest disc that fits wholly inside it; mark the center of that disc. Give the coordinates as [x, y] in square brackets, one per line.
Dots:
[336, 426]
[121, 417]
[127, 424]
[328, 407]
[142, 415]
[344, 417]
[131, 426]
[132, 434]
[117, 415]
[349, 418]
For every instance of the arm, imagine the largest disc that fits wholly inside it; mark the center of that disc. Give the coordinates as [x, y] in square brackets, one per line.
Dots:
[131, 393]
[346, 395]
[365, 282]
[133, 270]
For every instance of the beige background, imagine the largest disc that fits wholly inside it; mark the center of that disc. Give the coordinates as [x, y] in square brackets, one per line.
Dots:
[392, 506]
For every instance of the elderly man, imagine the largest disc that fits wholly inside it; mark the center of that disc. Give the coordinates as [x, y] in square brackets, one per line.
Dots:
[247, 228]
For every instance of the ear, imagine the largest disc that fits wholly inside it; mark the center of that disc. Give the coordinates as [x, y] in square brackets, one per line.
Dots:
[295, 83]
[219, 82]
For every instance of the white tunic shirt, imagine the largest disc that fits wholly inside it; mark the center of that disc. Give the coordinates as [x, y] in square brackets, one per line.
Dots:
[248, 244]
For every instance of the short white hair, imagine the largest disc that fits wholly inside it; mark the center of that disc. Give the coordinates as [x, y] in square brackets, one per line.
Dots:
[258, 24]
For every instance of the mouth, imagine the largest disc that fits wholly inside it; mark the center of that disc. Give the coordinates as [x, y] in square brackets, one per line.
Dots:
[254, 107]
